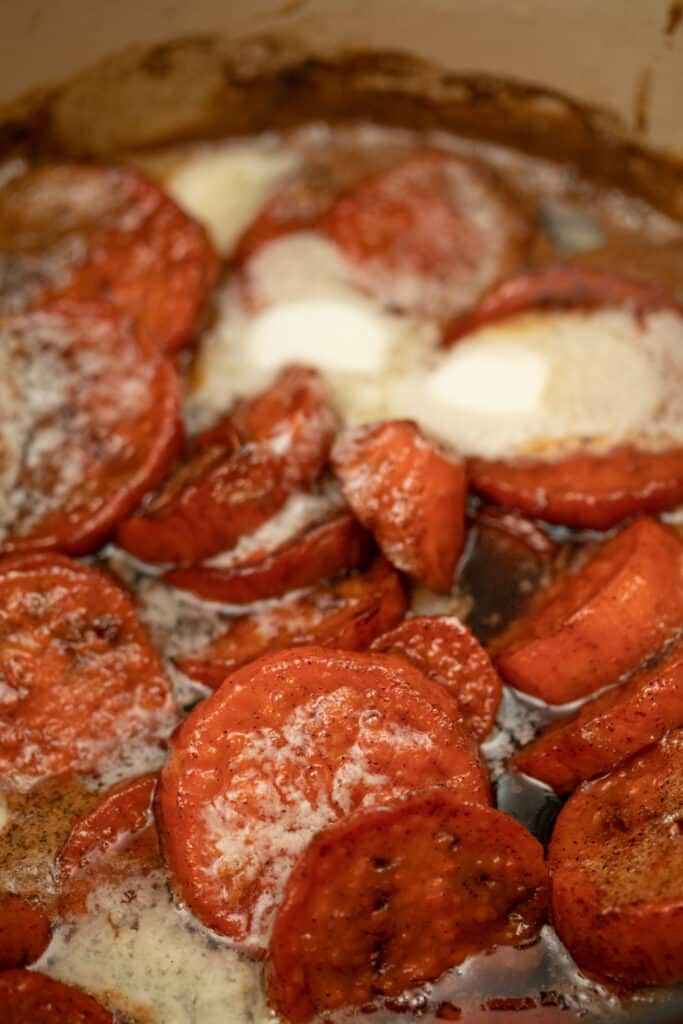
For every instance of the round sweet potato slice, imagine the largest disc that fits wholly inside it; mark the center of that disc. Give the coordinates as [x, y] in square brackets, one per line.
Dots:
[24, 931]
[294, 416]
[616, 862]
[287, 745]
[80, 676]
[608, 729]
[346, 615]
[430, 234]
[595, 624]
[332, 545]
[104, 233]
[444, 649]
[409, 491]
[582, 488]
[116, 839]
[89, 420]
[28, 997]
[388, 899]
[559, 287]
[219, 495]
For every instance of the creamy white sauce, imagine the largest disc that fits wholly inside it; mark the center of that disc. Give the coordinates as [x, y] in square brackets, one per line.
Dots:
[145, 957]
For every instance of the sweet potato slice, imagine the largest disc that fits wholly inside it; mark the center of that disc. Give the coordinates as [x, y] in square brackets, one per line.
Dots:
[24, 931]
[287, 745]
[293, 416]
[608, 729]
[219, 495]
[80, 676]
[593, 625]
[584, 490]
[444, 649]
[89, 420]
[114, 840]
[414, 236]
[560, 287]
[28, 997]
[321, 551]
[105, 233]
[616, 861]
[409, 491]
[347, 615]
[389, 899]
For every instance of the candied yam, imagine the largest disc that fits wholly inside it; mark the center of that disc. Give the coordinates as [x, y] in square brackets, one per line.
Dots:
[286, 746]
[430, 234]
[28, 997]
[114, 840]
[616, 862]
[584, 490]
[444, 649]
[559, 287]
[594, 624]
[294, 417]
[80, 677]
[207, 507]
[105, 233]
[409, 491]
[346, 615]
[389, 899]
[219, 495]
[89, 420]
[319, 552]
[222, 434]
[24, 931]
[608, 729]
[298, 201]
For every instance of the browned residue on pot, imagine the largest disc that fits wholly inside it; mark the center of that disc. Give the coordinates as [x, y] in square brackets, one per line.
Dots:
[674, 18]
[642, 98]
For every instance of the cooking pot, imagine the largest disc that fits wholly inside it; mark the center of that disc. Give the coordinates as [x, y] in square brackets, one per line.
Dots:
[570, 78]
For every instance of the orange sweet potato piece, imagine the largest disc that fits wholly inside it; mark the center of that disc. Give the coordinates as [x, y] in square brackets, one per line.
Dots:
[335, 544]
[608, 729]
[347, 615]
[80, 674]
[109, 234]
[117, 838]
[293, 416]
[24, 931]
[29, 997]
[219, 495]
[593, 625]
[389, 899]
[559, 287]
[97, 425]
[445, 650]
[616, 863]
[584, 490]
[430, 234]
[289, 744]
[410, 492]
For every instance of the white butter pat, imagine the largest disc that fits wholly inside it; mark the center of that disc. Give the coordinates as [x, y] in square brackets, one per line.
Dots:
[333, 334]
[490, 376]
[224, 187]
[547, 382]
